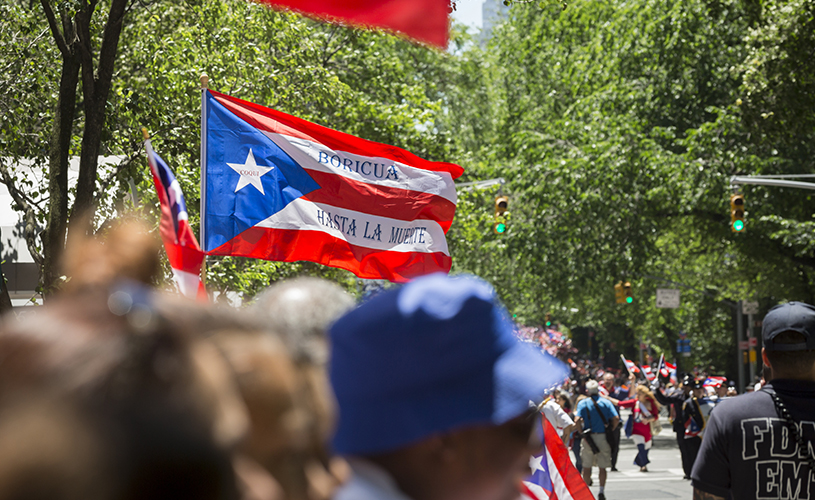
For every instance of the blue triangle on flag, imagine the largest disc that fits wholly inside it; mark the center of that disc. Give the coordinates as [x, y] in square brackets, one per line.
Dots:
[229, 140]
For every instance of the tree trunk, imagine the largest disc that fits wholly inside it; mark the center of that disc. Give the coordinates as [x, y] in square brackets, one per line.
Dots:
[59, 159]
[5, 300]
[96, 89]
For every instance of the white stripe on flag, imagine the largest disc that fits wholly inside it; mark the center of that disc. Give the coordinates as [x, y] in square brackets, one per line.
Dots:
[187, 282]
[558, 483]
[360, 229]
[540, 493]
[360, 168]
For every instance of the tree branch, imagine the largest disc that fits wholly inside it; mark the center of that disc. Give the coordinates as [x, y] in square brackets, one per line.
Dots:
[55, 32]
[109, 180]
[28, 213]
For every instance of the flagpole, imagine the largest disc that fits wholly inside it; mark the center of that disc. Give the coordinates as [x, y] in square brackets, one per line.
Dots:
[625, 364]
[202, 213]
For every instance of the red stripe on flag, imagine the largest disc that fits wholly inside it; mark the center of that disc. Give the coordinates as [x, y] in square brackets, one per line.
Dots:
[393, 202]
[281, 123]
[184, 258]
[571, 484]
[291, 245]
[423, 20]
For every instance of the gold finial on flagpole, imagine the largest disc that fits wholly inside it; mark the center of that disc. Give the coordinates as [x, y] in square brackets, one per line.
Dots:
[204, 80]
[145, 134]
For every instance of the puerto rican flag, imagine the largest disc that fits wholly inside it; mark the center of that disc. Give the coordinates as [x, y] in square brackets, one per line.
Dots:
[649, 373]
[630, 365]
[283, 189]
[554, 477]
[714, 381]
[182, 248]
[666, 370]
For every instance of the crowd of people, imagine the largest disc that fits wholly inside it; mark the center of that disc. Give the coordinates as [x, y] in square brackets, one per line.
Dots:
[591, 421]
[117, 390]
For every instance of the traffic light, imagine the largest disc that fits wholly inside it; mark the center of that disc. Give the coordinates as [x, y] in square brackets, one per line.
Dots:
[737, 213]
[501, 205]
[548, 320]
[618, 293]
[627, 295]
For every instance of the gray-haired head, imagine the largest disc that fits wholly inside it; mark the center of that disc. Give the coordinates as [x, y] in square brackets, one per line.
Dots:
[301, 310]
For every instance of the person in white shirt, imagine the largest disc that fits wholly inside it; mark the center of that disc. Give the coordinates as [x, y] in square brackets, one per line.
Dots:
[560, 420]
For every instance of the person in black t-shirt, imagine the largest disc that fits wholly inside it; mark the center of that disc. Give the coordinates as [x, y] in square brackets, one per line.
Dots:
[762, 445]
[676, 398]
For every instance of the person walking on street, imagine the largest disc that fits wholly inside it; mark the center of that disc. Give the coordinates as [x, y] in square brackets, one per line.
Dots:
[577, 443]
[557, 416]
[597, 414]
[760, 445]
[645, 410]
[614, 393]
[695, 412]
[676, 398]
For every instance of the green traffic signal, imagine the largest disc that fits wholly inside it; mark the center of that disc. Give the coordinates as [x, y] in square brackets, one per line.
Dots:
[500, 227]
[629, 300]
[738, 225]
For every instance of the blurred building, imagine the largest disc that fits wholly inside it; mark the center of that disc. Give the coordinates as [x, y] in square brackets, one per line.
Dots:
[493, 13]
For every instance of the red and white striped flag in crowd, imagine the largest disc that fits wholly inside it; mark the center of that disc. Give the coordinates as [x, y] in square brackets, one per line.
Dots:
[630, 365]
[182, 248]
[280, 188]
[715, 381]
[666, 370]
[649, 373]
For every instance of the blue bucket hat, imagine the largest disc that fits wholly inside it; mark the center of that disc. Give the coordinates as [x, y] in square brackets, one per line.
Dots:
[434, 355]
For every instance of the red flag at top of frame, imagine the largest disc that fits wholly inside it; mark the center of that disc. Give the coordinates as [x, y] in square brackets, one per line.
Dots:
[277, 187]
[423, 20]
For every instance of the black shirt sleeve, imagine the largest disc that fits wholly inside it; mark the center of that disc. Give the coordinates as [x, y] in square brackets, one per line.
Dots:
[667, 400]
[711, 471]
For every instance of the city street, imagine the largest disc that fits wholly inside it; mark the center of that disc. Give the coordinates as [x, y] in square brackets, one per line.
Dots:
[664, 476]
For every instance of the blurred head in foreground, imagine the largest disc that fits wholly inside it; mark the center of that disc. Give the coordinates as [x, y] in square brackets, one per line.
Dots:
[298, 312]
[433, 391]
[99, 388]
[102, 397]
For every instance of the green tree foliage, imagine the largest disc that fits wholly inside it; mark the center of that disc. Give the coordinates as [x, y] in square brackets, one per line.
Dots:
[365, 83]
[617, 126]
[621, 126]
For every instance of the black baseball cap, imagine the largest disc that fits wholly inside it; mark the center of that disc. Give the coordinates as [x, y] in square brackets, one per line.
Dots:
[790, 317]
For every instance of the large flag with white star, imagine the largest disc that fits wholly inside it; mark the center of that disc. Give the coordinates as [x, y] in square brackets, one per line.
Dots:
[280, 188]
[553, 476]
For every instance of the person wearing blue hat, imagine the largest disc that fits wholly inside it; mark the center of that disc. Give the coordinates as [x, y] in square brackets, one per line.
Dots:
[433, 391]
[760, 445]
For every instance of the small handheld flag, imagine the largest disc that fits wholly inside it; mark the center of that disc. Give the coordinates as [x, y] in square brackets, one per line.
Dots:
[182, 248]
[280, 188]
[630, 366]
[649, 373]
[666, 370]
[714, 382]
